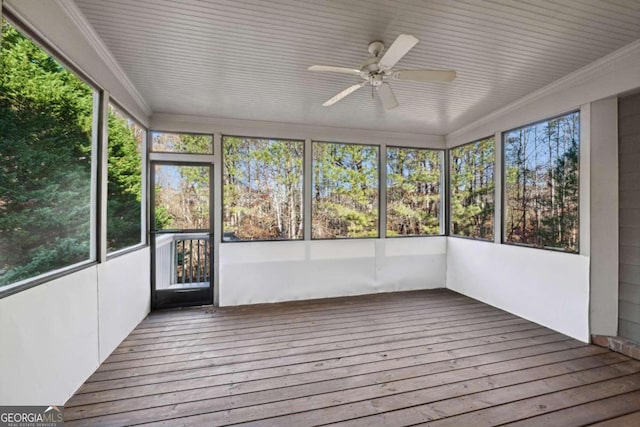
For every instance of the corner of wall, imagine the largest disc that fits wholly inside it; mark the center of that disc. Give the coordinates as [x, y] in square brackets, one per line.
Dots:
[603, 217]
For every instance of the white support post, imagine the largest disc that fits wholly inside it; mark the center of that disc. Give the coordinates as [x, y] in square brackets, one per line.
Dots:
[498, 184]
[217, 215]
[145, 226]
[101, 173]
[444, 192]
[307, 194]
[382, 188]
[584, 195]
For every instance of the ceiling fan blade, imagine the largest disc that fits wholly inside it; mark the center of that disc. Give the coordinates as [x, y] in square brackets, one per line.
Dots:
[403, 44]
[344, 93]
[424, 75]
[387, 97]
[331, 69]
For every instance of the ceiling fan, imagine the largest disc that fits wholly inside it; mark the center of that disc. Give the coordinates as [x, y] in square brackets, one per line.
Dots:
[378, 69]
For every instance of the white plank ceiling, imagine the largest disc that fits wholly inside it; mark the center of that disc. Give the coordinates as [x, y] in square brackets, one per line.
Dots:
[248, 59]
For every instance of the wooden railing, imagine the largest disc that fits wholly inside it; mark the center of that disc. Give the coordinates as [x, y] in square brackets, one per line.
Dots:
[183, 260]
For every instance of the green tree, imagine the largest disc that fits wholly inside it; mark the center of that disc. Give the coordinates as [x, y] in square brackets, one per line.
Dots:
[46, 117]
[541, 187]
[345, 190]
[413, 191]
[262, 181]
[472, 189]
[45, 162]
[181, 143]
[124, 181]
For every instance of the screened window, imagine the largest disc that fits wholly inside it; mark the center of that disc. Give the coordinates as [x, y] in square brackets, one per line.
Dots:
[263, 193]
[181, 196]
[167, 142]
[472, 189]
[413, 191]
[46, 116]
[344, 191]
[124, 197]
[541, 183]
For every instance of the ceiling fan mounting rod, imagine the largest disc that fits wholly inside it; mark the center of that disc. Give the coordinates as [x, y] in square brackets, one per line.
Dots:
[376, 48]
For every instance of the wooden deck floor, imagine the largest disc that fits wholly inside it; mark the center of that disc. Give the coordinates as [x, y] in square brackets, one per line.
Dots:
[414, 358]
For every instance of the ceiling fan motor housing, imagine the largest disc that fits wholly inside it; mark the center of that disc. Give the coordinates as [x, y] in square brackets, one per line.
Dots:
[370, 66]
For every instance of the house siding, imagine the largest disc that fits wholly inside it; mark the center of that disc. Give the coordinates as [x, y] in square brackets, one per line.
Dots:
[629, 187]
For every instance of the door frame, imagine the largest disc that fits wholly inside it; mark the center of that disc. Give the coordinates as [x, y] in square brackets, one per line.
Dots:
[165, 298]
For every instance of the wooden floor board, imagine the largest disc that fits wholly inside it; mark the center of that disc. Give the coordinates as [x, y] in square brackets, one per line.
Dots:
[302, 306]
[562, 350]
[381, 323]
[292, 318]
[357, 388]
[319, 324]
[339, 341]
[628, 420]
[308, 315]
[607, 382]
[613, 409]
[391, 332]
[411, 358]
[497, 335]
[282, 311]
[211, 361]
[230, 336]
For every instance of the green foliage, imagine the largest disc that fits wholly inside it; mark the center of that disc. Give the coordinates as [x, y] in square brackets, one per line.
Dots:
[45, 165]
[182, 196]
[262, 181]
[125, 181]
[413, 191]
[45, 162]
[61, 252]
[181, 143]
[472, 189]
[345, 190]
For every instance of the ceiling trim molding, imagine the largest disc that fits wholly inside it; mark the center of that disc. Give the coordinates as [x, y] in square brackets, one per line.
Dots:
[77, 17]
[572, 79]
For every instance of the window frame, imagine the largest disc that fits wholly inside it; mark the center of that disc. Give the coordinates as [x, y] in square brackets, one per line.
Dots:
[222, 202]
[95, 218]
[503, 214]
[448, 173]
[380, 232]
[442, 217]
[144, 240]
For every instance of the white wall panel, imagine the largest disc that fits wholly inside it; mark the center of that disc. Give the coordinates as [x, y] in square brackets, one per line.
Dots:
[124, 297]
[55, 335]
[263, 272]
[49, 340]
[549, 288]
